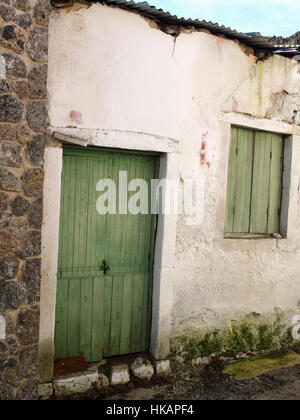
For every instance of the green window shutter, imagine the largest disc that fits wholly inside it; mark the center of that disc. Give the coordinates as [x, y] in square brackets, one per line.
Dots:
[266, 190]
[254, 182]
[239, 181]
[261, 183]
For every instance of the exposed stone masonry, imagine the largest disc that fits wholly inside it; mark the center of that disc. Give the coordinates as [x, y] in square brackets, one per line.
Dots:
[23, 119]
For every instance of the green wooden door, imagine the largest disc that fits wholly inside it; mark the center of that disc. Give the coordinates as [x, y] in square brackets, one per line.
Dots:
[101, 314]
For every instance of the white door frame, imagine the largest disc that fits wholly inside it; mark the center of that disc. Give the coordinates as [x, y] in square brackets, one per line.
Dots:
[165, 239]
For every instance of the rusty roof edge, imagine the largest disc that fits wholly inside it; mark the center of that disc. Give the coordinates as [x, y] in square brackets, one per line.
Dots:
[257, 42]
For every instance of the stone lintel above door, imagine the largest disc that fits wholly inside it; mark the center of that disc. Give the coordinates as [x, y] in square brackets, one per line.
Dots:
[119, 139]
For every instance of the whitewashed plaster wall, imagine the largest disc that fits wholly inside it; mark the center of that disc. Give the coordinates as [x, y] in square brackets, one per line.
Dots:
[113, 69]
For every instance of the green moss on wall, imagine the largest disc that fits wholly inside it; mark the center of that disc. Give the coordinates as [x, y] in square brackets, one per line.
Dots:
[260, 79]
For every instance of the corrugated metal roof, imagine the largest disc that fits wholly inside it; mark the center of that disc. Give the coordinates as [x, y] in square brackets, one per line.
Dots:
[255, 41]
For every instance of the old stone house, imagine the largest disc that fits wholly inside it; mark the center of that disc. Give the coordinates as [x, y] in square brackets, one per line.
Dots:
[92, 88]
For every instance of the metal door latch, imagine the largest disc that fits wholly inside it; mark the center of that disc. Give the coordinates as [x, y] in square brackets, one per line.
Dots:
[104, 267]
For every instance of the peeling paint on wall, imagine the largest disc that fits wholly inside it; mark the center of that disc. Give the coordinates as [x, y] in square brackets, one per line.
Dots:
[203, 152]
[220, 49]
[286, 107]
[76, 117]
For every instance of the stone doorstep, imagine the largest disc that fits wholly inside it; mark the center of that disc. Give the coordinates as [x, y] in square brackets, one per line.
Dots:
[142, 370]
[81, 382]
[162, 367]
[45, 391]
[119, 375]
[76, 383]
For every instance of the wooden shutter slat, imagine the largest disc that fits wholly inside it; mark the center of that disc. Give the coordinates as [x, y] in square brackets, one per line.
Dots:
[244, 166]
[229, 218]
[275, 184]
[261, 182]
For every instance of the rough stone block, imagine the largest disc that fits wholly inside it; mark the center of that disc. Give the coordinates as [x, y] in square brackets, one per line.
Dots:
[119, 375]
[8, 372]
[11, 109]
[7, 131]
[24, 20]
[32, 243]
[22, 5]
[7, 392]
[2, 67]
[4, 220]
[10, 154]
[36, 115]
[45, 391]
[7, 13]
[10, 295]
[7, 244]
[37, 82]
[22, 133]
[2, 328]
[201, 361]
[27, 328]
[29, 391]
[19, 206]
[4, 86]
[37, 45]
[28, 367]
[32, 181]
[142, 371]
[35, 150]
[162, 367]
[8, 181]
[12, 37]
[3, 201]
[15, 66]
[30, 279]
[18, 228]
[103, 381]
[41, 12]
[76, 383]
[12, 344]
[8, 267]
[20, 87]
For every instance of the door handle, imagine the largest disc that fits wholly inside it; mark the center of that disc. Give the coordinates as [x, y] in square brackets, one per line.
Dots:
[104, 267]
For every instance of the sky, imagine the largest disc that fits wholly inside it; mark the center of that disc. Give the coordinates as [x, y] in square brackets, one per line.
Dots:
[270, 17]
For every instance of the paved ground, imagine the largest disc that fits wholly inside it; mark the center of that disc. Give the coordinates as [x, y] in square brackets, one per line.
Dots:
[282, 384]
[281, 381]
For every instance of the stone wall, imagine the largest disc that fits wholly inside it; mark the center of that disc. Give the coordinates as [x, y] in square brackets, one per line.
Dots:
[23, 120]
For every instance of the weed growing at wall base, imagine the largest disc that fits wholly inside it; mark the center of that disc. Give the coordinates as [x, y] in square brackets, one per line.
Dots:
[243, 337]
